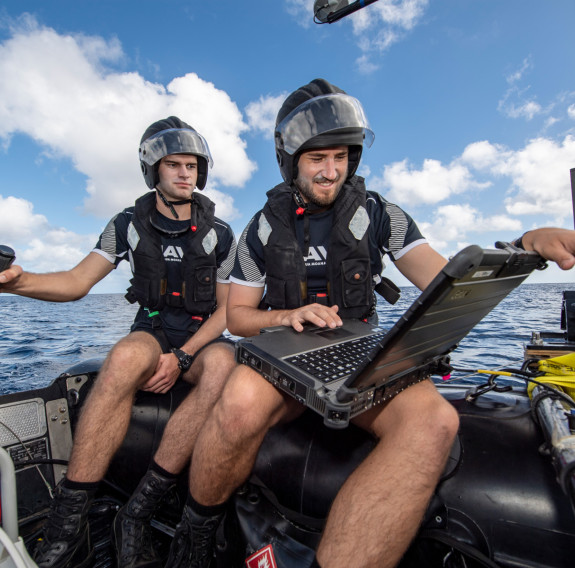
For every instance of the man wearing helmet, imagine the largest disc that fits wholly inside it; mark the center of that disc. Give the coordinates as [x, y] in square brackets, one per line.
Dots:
[316, 248]
[181, 256]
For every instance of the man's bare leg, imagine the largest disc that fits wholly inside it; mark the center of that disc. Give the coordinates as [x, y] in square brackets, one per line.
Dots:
[131, 529]
[382, 503]
[101, 429]
[225, 451]
[228, 444]
[208, 374]
[106, 414]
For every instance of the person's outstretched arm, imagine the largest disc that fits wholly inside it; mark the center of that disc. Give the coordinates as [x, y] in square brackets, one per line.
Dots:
[63, 286]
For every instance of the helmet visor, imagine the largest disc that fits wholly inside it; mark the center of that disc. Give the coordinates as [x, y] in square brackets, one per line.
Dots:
[174, 141]
[322, 115]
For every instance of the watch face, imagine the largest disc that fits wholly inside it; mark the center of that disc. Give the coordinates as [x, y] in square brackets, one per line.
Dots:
[184, 360]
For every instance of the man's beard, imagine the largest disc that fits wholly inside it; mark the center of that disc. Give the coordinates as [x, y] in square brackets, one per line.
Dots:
[305, 188]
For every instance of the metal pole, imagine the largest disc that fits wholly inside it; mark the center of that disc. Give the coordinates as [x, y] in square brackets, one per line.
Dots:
[8, 491]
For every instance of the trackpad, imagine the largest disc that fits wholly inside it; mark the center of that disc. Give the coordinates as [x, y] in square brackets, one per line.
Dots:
[329, 333]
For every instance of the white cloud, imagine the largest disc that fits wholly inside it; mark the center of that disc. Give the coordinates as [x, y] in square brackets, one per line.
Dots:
[514, 103]
[302, 10]
[481, 155]
[527, 110]
[57, 249]
[61, 94]
[549, 122]
[518, 102]
[383, 24]
[226, 209]
[365, 65]
[455, 223]
[434, 182]
[262, 113]
[393, 14]
[536, 178]
[18, 222]
[39, 246]
[517, 75]
[538, 174]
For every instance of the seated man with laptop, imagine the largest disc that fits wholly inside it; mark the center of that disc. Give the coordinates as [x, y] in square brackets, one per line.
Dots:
[316, 250]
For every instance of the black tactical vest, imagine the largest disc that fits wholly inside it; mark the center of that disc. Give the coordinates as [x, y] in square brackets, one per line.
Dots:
[149, 284]
[349, 278]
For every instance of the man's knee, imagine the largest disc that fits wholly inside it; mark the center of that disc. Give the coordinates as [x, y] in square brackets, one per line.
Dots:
[248, 405]
[212, 368]
[136, 355]
[422, 411]
[216, 358]
[448, 419]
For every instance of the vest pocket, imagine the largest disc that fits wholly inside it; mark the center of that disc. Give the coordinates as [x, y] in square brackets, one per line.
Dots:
[356, 282]
[275, 292]
[142, 290]
[205, 284]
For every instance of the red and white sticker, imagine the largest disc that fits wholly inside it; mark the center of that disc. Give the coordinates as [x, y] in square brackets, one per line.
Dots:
[263, 558]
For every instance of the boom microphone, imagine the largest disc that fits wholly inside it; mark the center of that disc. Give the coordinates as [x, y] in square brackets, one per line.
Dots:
[330, 11]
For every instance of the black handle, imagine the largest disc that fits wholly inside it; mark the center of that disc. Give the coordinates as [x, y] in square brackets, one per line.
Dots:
[7, 257]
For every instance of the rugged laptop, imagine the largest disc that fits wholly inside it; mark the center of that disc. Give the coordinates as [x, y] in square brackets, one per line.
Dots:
[343, 372]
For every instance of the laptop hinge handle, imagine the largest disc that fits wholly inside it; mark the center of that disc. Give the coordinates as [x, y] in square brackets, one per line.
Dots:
[346, 394]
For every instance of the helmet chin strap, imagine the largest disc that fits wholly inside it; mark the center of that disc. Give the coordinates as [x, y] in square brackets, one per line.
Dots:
[306, 206]
[301, 204]
[304, 210]
[170, 204]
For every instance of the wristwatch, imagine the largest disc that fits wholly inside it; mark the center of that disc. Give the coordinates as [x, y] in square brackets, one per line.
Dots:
[184, 359]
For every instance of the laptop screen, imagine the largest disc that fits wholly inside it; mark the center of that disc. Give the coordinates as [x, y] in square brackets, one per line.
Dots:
[468, 288]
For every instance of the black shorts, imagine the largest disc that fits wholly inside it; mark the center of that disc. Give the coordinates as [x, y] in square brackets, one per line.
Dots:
[169, 341]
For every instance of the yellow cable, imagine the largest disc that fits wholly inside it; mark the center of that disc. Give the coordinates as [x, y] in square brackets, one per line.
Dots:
[502, 373]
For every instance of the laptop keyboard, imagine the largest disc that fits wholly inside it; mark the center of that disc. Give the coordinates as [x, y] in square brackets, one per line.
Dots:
[336, 361]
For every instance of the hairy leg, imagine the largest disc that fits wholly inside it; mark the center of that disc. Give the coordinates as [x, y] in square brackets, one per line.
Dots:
[382, 503]
[227, 446]
[208, 374]
[106, 414]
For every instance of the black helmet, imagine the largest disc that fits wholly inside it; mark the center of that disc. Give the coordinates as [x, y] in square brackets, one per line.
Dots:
[172, 136]
[319, 115]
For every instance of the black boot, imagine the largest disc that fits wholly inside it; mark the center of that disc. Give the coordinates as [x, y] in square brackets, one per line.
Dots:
[194, 542]
[66, 534]
[132, 531]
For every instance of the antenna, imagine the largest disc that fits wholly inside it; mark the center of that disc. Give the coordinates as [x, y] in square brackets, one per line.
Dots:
[330, 11]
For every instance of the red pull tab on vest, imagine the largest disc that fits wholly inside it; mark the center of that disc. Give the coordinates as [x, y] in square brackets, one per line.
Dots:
[194, 228]
[300, 211]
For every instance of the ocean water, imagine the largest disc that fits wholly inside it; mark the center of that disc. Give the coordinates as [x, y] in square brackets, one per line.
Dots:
[40, 340]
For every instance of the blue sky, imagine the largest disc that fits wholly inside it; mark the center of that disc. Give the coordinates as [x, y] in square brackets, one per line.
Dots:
[472, 103]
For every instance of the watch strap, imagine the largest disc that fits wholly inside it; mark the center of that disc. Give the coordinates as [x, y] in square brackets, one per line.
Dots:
[185, 360]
